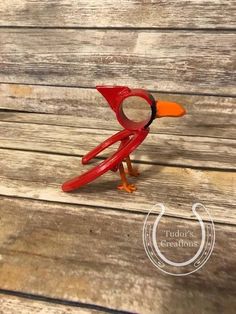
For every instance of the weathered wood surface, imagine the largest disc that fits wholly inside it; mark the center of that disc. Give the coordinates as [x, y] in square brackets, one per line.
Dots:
[180, 61]
[16, 305]
[86, 247]
[116, 13]
[161, 149]
[206, 115]
[40, 175]
[95, 255]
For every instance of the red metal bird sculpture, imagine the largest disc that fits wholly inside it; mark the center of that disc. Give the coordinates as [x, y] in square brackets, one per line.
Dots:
[130, 137]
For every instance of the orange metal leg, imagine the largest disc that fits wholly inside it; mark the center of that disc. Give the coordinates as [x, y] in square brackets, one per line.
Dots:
[124, 183]
[132, 171]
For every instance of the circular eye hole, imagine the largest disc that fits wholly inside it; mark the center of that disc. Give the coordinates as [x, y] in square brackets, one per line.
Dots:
[136, 109]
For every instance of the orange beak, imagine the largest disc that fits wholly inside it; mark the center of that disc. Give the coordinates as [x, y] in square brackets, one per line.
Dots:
[169, 109]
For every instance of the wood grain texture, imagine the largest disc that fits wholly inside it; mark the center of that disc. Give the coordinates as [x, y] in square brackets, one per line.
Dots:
[86, 246]
[115, 13]
[13, 305]
[180, 61]
[39, 176]
[95, 255]
[206, 115]
[161, 149]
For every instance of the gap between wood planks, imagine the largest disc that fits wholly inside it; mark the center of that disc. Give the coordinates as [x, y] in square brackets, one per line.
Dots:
[114, 210]
[170, 29]
[28, 117]
[134, 161]
[45, 301]
[94, 88]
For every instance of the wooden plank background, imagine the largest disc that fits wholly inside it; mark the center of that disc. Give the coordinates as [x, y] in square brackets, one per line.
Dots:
[182, 61]
[82, 252]
[24, 305]
[115, 13]
[209, 116]
[95, 264]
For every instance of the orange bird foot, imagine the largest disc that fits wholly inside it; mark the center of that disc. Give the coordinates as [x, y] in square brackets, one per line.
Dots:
[130, 188]
[133, 173]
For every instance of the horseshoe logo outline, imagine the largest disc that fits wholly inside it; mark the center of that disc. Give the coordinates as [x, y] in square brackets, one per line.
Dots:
[159, 259]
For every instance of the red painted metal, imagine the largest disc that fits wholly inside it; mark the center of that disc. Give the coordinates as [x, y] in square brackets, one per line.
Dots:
[130, 138]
